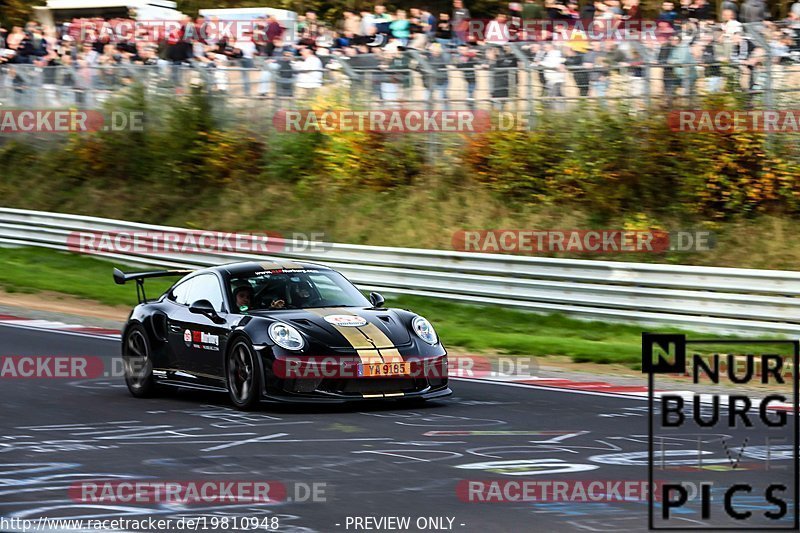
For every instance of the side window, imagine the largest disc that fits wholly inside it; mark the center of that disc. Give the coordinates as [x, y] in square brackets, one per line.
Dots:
[206, 287]
[180, 293]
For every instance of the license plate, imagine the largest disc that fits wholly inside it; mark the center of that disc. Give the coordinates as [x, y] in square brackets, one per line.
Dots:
[368, 370]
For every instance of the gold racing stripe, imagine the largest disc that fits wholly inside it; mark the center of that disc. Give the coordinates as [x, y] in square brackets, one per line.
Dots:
[383, 343]
[281, 265]
[354, 337]
[370, 356]
[391, 355]
[359, 338]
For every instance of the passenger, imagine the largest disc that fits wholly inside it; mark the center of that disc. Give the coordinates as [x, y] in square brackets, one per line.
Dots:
[243, 296]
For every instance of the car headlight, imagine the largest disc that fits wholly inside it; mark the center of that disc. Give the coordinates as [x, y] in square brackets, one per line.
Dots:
[424, 330]
[286, 336]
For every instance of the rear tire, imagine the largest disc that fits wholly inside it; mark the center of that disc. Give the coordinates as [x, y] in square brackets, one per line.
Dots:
[138, 362]
[243, 375]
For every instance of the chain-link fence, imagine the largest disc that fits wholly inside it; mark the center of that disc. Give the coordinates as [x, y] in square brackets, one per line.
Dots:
[524, 86]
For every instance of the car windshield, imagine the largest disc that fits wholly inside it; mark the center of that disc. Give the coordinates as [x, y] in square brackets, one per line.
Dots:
[293, 289]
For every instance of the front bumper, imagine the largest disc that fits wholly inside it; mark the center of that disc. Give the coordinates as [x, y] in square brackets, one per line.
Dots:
[315, 382]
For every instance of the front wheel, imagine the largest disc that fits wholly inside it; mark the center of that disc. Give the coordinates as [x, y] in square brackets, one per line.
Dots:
[243, 375]
[137, 362]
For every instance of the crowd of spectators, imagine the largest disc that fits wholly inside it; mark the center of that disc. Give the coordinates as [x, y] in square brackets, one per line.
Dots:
[692, 41]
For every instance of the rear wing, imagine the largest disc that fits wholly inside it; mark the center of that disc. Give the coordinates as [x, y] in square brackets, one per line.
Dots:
[121, 278]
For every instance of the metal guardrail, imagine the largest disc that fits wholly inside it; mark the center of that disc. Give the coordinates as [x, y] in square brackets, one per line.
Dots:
[702, 298]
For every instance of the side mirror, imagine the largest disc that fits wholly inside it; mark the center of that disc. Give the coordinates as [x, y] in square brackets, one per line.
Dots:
[376, 299]
[204, 307]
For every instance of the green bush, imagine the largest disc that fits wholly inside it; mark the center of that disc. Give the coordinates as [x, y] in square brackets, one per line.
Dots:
[611, 164]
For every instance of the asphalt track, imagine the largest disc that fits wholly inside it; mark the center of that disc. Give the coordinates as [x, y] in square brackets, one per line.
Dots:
[375, 460]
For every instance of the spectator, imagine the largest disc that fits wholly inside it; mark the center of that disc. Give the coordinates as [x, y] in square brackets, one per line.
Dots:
[554, 72]
[444, 30]
[638, 82]
[502, 74]
[683, 72]
[574, 59]
[368, 63]
[668, 13]
[281, 63]
[709, 58]
[588, 11]
[631, 10]
[309, 73]
[460, 21]
[33, 47]
[669, 77]
[381, 19]
[418, 41]
[497, 32]
[753, 11]
[351, 23]
[729, 5]
[597, 63]
[400, 27]
[532, 10]
[466, 62]
[274, 31]
[700, 10]
[14, 39]
[438, 81]
[247, 48]
[730, 25]
[397, 75]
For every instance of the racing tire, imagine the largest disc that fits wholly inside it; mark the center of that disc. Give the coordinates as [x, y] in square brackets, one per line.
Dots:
[243, 376]
[137, 361]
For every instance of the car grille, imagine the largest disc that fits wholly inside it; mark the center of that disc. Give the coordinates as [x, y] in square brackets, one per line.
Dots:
[371, 385]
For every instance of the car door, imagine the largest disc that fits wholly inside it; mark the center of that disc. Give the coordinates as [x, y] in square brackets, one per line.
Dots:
[178, 321]
[204, 337]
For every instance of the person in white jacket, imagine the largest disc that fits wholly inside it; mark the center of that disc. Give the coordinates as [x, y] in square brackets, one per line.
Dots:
[309, 73]
[555, 73]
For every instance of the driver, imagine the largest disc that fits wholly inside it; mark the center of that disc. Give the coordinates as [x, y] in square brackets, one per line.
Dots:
[301, 294]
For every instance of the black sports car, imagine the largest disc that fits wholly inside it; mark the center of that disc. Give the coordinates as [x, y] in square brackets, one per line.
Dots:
[280, 331]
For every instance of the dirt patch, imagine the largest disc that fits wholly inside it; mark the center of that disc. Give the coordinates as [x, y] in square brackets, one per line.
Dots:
[62, 303]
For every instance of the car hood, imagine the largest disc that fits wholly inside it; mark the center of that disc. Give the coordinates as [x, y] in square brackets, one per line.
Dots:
[347, 327]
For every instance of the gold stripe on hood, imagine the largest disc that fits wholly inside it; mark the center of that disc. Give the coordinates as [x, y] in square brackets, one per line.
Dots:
[360, 337]
[383, 343]
[357, 340]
